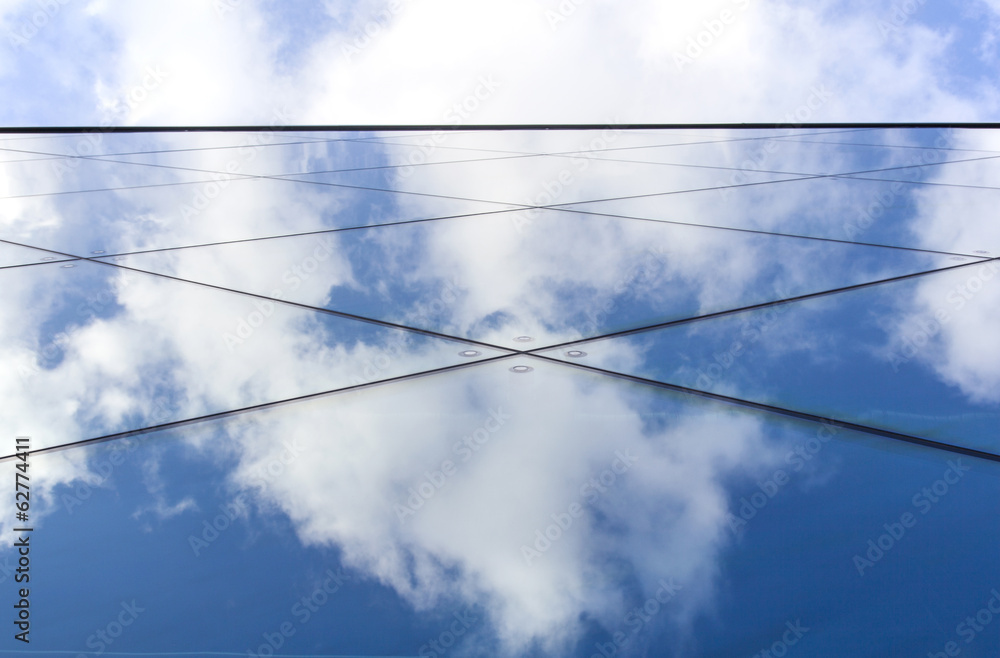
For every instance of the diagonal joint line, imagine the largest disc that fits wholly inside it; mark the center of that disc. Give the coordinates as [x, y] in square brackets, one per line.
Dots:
[317, 309]
[757, 307]
[221, 415]
[792, 413]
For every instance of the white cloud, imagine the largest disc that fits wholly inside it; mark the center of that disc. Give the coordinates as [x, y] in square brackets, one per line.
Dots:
[145, 344]
[666, 507]
[425, 55]
[511, 61]
[950, 320]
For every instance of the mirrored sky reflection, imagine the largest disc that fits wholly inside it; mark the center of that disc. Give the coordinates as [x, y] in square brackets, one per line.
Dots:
[526, 393]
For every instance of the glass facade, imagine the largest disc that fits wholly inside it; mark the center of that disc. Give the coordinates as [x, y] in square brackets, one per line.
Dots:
[619, 392]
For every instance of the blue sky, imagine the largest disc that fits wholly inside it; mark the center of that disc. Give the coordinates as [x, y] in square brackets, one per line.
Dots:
[371, 62]
[565, 510]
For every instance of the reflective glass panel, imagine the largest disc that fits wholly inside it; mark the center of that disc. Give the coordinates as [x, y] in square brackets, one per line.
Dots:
[611, 392]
